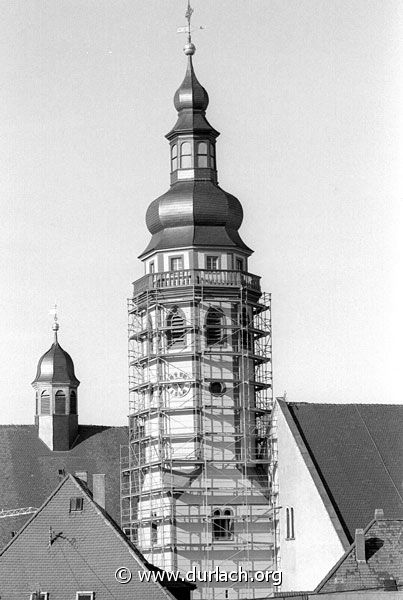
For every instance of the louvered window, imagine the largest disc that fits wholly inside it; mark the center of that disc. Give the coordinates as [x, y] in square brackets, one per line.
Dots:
[45, 403]
[214, 327]
[176, 330]
[60, 403]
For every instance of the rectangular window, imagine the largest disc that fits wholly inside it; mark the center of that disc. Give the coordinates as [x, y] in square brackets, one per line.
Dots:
[202, 155]
[39, 596]
[239, 264]
[186, 155]
[85, 596]
[152, 267]
[212, 263]
[289, 517]
[76, 504]
[176, 263]
[154, 534]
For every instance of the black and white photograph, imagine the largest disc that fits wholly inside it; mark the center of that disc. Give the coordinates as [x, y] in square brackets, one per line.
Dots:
[201, 297]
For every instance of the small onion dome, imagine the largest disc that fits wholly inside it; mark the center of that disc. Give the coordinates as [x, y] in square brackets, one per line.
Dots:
[191, 94]
[56, 366]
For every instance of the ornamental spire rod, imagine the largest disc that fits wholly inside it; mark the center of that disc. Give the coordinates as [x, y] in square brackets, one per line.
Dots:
[190, 47]
[188, 16]
[55, 325]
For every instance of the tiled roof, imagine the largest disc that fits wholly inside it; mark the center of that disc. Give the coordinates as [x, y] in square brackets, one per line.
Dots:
[383, 568]
[63, 552]
[29, 470]
[357, 450]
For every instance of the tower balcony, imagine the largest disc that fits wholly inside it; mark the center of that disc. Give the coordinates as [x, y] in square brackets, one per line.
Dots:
[196, 277]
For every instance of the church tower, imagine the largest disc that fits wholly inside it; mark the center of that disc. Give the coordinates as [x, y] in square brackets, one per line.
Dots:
[56, 386]
[195, 477]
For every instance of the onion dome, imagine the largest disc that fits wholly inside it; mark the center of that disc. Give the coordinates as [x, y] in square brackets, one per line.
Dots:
[191, 94]
[191, 101]
[56, 365]
[195, 211]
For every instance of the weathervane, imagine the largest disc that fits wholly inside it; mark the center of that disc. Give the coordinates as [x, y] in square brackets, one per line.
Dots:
[55, 326]
[188, 30]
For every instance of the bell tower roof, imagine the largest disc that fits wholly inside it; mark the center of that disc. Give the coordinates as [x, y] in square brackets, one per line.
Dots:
[195, 211]
[56, 365]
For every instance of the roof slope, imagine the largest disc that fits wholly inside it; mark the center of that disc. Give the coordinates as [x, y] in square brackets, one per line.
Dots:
[63, 552]
[383, 566]
[29, 470]
[357, 450]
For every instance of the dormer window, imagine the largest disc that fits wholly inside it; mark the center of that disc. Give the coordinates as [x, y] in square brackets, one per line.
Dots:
[174, 157]
[202, 155]
[186, 155]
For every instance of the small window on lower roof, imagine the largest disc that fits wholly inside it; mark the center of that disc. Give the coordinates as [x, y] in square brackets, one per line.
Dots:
[76, 504]
[39, 596]
[85, 596]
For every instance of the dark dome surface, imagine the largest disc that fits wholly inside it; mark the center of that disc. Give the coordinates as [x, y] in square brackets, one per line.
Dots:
[195, 212]
[191, 94]
[56, 366]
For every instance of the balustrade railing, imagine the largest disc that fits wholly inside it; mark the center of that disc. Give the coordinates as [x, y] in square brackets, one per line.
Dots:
[186, 277]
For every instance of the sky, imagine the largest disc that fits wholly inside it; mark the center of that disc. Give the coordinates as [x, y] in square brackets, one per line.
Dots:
[307, 96]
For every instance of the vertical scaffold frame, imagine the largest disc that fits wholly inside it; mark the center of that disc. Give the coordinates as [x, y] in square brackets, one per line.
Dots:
[168, 497]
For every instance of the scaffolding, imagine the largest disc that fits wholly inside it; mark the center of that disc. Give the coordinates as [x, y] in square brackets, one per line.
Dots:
[200, 452]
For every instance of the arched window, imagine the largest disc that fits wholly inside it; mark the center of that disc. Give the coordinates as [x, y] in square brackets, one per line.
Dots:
[60, 403]
[289, 518]
[73, 403]
[214, 327]
[45, 403]
[202, 155]
[174, 157]
[176, 329]
[186, 155]
[223, 524]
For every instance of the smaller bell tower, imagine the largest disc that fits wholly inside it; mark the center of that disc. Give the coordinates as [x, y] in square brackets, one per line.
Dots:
[55, 385]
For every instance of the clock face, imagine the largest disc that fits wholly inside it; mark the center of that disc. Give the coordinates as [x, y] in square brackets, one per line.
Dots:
[178, 385]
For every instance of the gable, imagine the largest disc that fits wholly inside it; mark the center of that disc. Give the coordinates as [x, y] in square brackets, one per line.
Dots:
[64, 551]
[357, 450]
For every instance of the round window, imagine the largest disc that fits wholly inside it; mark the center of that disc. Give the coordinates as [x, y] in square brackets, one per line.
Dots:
[217, 388]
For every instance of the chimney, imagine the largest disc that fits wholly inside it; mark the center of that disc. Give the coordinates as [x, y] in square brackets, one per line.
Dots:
[98, 489]
[379, 514]
[83, 475]
[360, 546]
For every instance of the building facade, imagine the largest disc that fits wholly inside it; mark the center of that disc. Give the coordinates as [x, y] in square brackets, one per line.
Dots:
[195, 482]
[72, 549]
[33, 458]
[337, 464]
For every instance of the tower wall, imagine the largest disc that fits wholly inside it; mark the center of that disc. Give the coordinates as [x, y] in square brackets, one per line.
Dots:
[195, 449]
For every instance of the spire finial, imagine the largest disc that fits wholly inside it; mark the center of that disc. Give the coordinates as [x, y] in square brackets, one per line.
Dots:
[189, 48]
[55, 325]
[188, 16]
